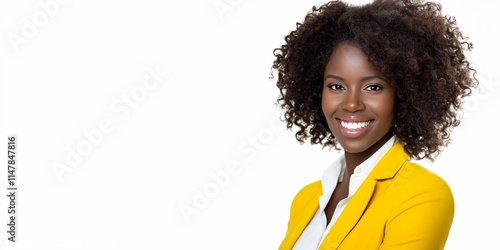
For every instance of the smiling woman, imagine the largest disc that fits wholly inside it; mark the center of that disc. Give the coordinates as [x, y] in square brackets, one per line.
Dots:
[357, 102]
[384, 83]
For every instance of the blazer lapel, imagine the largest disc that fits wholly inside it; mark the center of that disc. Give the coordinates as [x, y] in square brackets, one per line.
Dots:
[350, 216]
[301, 216]
[386, 168]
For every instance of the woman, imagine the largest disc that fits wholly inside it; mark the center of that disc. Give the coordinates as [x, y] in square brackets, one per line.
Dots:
[384, 82]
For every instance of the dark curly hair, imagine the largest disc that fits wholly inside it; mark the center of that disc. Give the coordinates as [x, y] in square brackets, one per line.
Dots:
[419, 50]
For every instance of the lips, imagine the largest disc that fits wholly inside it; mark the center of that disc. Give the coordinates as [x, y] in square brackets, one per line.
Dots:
[354, 129]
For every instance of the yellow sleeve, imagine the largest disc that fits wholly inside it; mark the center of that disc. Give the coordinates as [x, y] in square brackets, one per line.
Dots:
[422, 215]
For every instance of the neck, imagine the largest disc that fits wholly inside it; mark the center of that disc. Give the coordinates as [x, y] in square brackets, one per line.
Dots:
[352, 160]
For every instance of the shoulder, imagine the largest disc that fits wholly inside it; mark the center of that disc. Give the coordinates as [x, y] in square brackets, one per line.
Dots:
[306, 195]
[420, 210]
[414, 181]
[424, 177]
[311, 189]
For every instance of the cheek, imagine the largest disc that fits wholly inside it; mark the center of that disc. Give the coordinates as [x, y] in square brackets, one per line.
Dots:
[328, 102]
[385, 108]
[324, 102]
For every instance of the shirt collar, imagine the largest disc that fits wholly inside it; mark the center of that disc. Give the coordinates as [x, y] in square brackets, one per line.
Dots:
[366, 166]
[335, 172]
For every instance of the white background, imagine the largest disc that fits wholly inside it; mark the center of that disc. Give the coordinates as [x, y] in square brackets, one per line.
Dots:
[215, 108]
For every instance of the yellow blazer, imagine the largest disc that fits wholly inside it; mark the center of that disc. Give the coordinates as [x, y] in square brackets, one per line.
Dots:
[400, 205]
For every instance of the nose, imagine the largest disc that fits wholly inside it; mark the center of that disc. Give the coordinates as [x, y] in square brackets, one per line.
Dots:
[353, 101]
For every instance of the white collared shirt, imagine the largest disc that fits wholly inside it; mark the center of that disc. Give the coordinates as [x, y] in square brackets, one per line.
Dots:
[317, 229]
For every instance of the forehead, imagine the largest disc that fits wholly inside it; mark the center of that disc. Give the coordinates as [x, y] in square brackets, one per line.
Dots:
[349, 59]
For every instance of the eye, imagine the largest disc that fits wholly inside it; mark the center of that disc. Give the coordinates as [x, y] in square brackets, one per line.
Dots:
[373, 87]
[335, 87]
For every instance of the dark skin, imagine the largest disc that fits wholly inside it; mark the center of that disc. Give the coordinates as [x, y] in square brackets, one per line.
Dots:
[352, 161]
[358, 104]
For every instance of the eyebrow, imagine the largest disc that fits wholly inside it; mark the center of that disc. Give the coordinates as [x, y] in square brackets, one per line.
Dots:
[363, 79]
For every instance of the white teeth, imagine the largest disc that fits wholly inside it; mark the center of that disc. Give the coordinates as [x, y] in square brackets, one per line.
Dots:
[354, 125]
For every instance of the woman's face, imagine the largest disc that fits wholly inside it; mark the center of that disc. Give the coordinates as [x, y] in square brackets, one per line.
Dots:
[357, 102]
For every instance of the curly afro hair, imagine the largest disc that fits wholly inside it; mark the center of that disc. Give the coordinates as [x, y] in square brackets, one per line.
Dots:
[418, 49]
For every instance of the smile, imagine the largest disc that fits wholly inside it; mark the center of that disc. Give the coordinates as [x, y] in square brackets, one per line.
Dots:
[354, 125]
